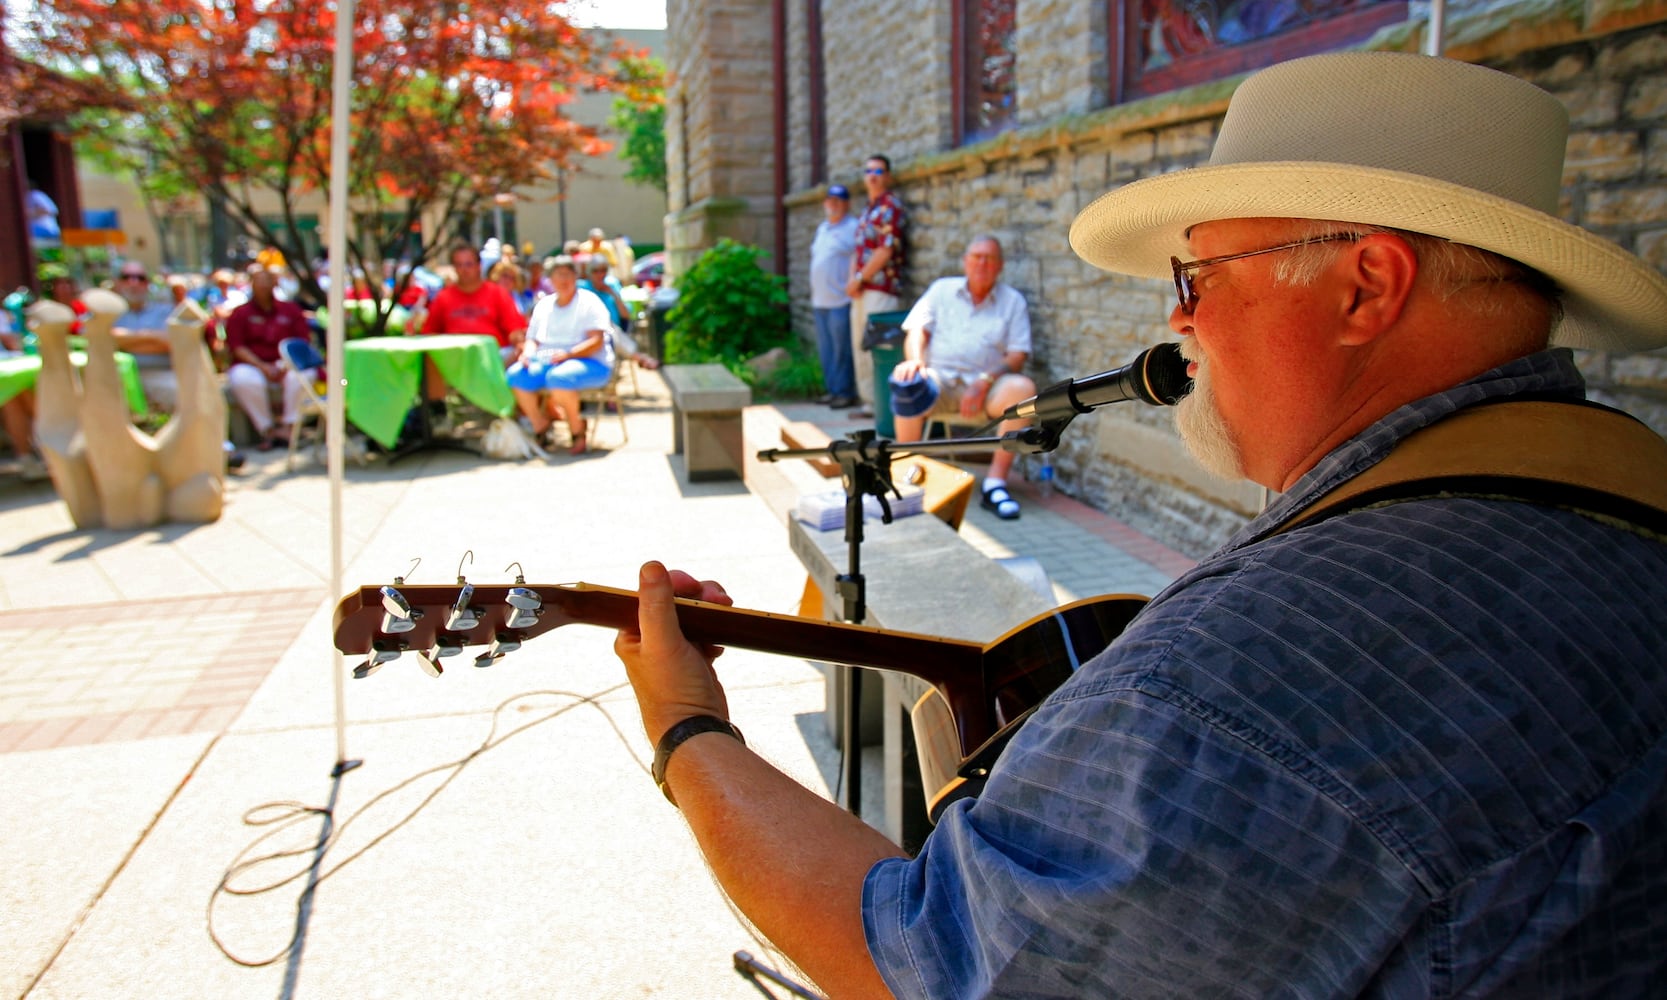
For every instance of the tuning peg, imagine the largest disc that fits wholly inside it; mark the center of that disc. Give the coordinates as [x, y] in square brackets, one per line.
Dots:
[380, 653]
[526, 606]
[462, 617]
[501, 644]
[397, 614]
[429, 659]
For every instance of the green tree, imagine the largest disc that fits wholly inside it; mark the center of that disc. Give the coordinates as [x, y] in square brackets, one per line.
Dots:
[452, 103]
[639, 116]
[115, 142]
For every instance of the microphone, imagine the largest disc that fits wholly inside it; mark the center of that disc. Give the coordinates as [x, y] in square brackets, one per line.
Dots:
[1158, 376]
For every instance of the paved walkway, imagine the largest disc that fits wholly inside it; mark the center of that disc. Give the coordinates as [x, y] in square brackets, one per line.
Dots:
[167, 715]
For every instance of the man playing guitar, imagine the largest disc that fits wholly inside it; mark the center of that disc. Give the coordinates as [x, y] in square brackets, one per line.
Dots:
[1415, 749]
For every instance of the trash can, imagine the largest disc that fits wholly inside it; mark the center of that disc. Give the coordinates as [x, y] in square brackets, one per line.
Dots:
[660, 303]
[883, 338]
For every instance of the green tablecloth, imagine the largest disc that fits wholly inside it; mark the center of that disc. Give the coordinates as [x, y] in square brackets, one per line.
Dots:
[384, 378]
[19, 373]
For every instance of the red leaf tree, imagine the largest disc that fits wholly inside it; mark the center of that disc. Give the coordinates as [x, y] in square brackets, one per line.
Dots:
[451, 103]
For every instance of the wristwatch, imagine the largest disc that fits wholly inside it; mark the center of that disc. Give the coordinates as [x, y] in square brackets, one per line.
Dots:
[677, 735]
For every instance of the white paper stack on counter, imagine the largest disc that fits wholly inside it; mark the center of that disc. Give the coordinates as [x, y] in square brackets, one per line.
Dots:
[825, 511]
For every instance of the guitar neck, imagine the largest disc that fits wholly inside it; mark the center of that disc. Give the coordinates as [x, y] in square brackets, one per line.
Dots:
[360, 618]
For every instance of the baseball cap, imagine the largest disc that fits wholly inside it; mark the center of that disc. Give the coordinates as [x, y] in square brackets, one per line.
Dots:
[913, 397]
[838, 191]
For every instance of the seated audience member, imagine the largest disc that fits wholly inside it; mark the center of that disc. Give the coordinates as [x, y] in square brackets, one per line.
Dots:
[142, 331]
[222, 294]
[964, 344]
[253, 332]
[538, 284]
[607, 288]
[59, 285]
[179, 289]
[507, 274]
[17, 419]
[1412, 747]
[566, 350]
[469, 304]
[598, 243]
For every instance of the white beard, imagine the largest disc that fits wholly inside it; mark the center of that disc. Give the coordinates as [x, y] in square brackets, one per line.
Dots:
[1200, 423]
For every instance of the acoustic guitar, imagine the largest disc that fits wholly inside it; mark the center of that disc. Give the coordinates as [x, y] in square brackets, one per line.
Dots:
[980, 693]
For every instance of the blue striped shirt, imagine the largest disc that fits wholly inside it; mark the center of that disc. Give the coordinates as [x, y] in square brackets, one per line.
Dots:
[1416, 751]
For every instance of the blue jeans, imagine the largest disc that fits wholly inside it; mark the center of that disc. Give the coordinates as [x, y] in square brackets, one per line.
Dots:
[833, 344]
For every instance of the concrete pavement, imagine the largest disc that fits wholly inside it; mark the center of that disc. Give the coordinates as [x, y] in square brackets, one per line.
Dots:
[167, 721]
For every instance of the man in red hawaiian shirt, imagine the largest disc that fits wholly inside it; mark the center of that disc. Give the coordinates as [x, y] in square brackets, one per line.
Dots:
[876, 283]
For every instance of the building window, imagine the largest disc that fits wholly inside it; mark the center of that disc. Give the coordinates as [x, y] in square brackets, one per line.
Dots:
[986, 57]
[1166, 44]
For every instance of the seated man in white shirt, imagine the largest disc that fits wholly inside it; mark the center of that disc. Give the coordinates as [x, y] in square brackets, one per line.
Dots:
[964, 344]
[142, 331]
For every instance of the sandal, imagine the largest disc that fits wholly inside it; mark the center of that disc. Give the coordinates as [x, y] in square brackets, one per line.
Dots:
[996, 498]
[578, 447]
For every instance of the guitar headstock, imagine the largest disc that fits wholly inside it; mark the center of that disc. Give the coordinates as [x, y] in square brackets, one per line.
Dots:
[438, 622]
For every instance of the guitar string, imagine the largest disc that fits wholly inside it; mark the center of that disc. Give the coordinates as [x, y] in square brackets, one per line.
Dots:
[281, 816]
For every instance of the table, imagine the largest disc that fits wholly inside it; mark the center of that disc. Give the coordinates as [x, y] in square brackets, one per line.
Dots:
[20, 371]
[921, 576]
[384, 378]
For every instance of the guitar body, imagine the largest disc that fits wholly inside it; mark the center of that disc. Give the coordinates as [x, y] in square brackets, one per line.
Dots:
[958, 744]
[980, 694]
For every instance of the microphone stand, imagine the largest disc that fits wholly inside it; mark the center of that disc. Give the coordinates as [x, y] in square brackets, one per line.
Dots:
[865, 470]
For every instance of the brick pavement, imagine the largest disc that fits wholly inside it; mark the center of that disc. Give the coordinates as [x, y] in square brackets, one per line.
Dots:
[104, 673]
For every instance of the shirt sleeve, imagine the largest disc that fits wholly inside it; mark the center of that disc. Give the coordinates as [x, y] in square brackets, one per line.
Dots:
[595, 315]
[923, 314]
[1018, 322]
[237, 329]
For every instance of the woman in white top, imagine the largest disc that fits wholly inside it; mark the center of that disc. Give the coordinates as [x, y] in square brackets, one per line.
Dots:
[566, 350]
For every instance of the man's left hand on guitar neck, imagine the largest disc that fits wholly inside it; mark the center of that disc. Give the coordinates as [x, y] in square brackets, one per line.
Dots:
[673, 678]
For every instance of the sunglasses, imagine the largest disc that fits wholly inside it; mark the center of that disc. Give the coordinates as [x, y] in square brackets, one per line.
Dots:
[135, 277]
[874, 171]
[1184, 269]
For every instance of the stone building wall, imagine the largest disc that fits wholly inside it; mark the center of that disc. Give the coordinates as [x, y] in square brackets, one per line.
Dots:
[720, 144]
[1607, 62]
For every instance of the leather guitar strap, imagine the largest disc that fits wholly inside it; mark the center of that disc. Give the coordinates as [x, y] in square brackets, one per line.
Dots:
[1596, 461]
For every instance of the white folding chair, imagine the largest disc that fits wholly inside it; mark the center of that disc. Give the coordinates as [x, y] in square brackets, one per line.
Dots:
[298, 355]
[605, 395]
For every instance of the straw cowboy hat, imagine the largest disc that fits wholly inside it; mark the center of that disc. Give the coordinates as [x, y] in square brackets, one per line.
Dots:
[1424, 144]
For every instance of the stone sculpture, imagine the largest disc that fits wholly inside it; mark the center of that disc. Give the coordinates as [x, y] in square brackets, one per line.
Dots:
[108, 472]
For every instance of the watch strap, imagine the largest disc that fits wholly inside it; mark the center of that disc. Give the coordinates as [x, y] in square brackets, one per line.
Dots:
[677, 735]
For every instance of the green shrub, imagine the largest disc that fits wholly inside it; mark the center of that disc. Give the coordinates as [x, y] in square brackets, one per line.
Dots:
[728, 309]
[799, 378]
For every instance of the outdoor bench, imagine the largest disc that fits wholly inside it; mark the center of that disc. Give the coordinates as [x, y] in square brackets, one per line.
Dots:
[706, 404]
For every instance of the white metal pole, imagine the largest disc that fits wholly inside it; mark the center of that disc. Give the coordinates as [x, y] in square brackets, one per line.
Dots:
[1434, 40]
[341, 83]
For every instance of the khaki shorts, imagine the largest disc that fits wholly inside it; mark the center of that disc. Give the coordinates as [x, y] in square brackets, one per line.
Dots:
[952, 386]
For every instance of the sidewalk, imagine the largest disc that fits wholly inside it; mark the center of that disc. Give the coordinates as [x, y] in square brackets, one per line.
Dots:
[163, 685]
